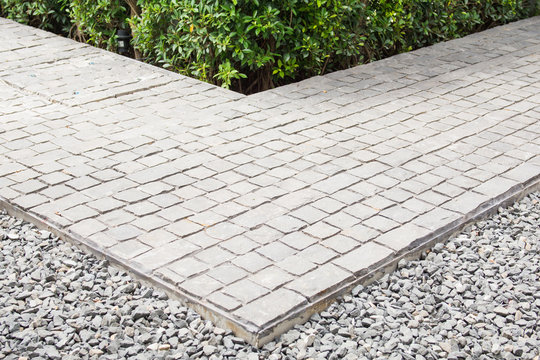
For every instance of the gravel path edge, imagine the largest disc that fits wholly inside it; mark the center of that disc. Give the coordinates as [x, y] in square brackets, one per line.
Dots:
[300, 315]
[259, 338]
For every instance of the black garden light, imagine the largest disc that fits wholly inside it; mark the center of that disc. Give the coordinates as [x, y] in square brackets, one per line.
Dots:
[123, 37]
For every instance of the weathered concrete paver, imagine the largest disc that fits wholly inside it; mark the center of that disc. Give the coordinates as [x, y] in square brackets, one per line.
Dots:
[258, 209]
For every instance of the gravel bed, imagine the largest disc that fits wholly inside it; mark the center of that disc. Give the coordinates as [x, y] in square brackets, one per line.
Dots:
[477, 296]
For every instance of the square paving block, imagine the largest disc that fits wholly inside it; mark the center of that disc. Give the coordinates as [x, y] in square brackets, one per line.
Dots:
[322, 280]
[270, 307]
[404, 238]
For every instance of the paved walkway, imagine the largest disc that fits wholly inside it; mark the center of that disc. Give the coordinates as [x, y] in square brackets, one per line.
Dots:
[258, 210]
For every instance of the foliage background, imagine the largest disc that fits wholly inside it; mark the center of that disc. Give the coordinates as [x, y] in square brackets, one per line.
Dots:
[254, 45]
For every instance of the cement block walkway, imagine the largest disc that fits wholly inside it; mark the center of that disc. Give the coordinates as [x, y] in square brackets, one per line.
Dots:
[259, 210]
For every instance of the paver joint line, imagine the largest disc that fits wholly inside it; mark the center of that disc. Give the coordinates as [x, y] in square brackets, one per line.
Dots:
[258, 210]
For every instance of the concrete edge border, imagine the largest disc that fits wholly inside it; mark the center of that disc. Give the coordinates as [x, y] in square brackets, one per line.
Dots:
[252, 334]
[303, 313]
[207, 311]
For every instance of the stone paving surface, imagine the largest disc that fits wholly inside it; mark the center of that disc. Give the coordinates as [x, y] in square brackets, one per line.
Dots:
[256, 210]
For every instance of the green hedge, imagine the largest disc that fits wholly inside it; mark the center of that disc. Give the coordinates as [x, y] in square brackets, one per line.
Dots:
[91, 21]
[264, 43]
[96, 21]
[253, 45]
[51, 15]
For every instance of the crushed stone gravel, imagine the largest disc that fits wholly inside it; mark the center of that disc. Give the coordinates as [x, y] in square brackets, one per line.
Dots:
[476, 296]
